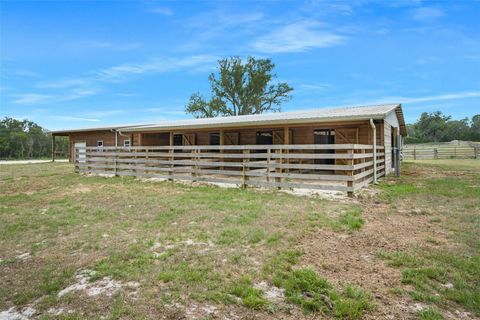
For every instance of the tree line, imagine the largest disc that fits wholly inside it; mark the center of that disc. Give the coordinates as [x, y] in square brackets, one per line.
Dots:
[437, 127]
[24, 139]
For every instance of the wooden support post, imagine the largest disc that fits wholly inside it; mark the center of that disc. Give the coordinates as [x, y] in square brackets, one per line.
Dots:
[222, 137]
[195, 163]
[115, 161]
[286, 140]
[222, 142]
[244, 168]
[134, 160]
[350, 173]
[140, 138]
[399, 146]
[269, 157]
[53, 148]
[170, 173]
[278, 170]
[435, 153]
[414, 153]
[75, 159]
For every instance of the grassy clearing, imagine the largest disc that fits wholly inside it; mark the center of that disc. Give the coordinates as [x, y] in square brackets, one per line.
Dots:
[445, 275]
[213, 247]
[182, 244]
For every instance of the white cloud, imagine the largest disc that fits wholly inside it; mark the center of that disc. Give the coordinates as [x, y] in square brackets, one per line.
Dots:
[59, 84]
[428, 60]
[427, 14]
[443, 97]
[163, 11]
[40, 98]
[72, 118]
[102, 114]
[94, 44]
[211, 29]
[432, 98]
[124, 72]
[297, 37]
[315, 87]
[77, 93]
[31, 98]
[91, 83]
[220, 20]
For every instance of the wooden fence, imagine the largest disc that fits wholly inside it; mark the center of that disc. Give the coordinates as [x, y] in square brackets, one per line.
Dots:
[440, 152]
[339, 167]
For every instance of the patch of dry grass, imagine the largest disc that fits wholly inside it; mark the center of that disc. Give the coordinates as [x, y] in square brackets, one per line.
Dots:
[185, 245]
[445, 272]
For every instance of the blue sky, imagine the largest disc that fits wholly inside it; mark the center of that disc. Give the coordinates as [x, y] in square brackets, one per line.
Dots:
[91, 63]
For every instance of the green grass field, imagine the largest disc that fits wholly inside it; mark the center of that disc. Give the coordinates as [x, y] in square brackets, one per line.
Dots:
[75, 247]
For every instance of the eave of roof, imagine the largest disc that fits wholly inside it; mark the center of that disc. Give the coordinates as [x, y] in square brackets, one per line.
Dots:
[88, 129]
[290, 118]
[314, 116]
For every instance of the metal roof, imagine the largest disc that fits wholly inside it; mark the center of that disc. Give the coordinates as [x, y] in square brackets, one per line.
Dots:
[86, 129]
[310, 116]
[317, 115]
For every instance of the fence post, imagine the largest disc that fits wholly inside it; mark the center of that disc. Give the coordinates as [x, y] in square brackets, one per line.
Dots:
[115, 162]
[75, 161]
[269, 155]
[244, 168]
[435, 153]
[350, 173]
[476, 151]
[171, 159]
[414, 153]
[278, 161]
[195, 159]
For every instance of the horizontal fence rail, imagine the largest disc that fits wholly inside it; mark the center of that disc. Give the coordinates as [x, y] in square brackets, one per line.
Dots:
[440, 152]
[339, 167]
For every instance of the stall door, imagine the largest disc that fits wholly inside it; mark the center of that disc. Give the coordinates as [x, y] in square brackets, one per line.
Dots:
[324, 136]
[189, 139]
[81, 155]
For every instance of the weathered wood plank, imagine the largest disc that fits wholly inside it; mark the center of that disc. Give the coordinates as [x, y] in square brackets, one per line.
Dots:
[282, 166]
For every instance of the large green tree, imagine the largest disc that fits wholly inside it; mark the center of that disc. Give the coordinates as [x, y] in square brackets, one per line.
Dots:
[240, 88]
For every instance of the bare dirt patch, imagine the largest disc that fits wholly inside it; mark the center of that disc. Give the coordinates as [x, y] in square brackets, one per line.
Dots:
[353, 258]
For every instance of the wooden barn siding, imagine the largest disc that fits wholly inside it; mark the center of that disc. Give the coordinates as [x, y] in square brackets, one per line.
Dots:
[359, 132]
[345, 132]
[387, 133]
[91, 139]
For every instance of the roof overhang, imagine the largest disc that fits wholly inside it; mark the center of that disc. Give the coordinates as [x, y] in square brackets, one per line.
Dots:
[376, 112]
[401, 120]
[192, 126]
[66, 132]
[290, 118]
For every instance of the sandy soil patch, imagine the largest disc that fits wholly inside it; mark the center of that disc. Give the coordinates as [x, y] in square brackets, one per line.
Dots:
[105, 286]
[13, 314]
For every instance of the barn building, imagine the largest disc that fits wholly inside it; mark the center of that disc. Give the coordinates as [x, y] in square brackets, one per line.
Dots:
[332, 149]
